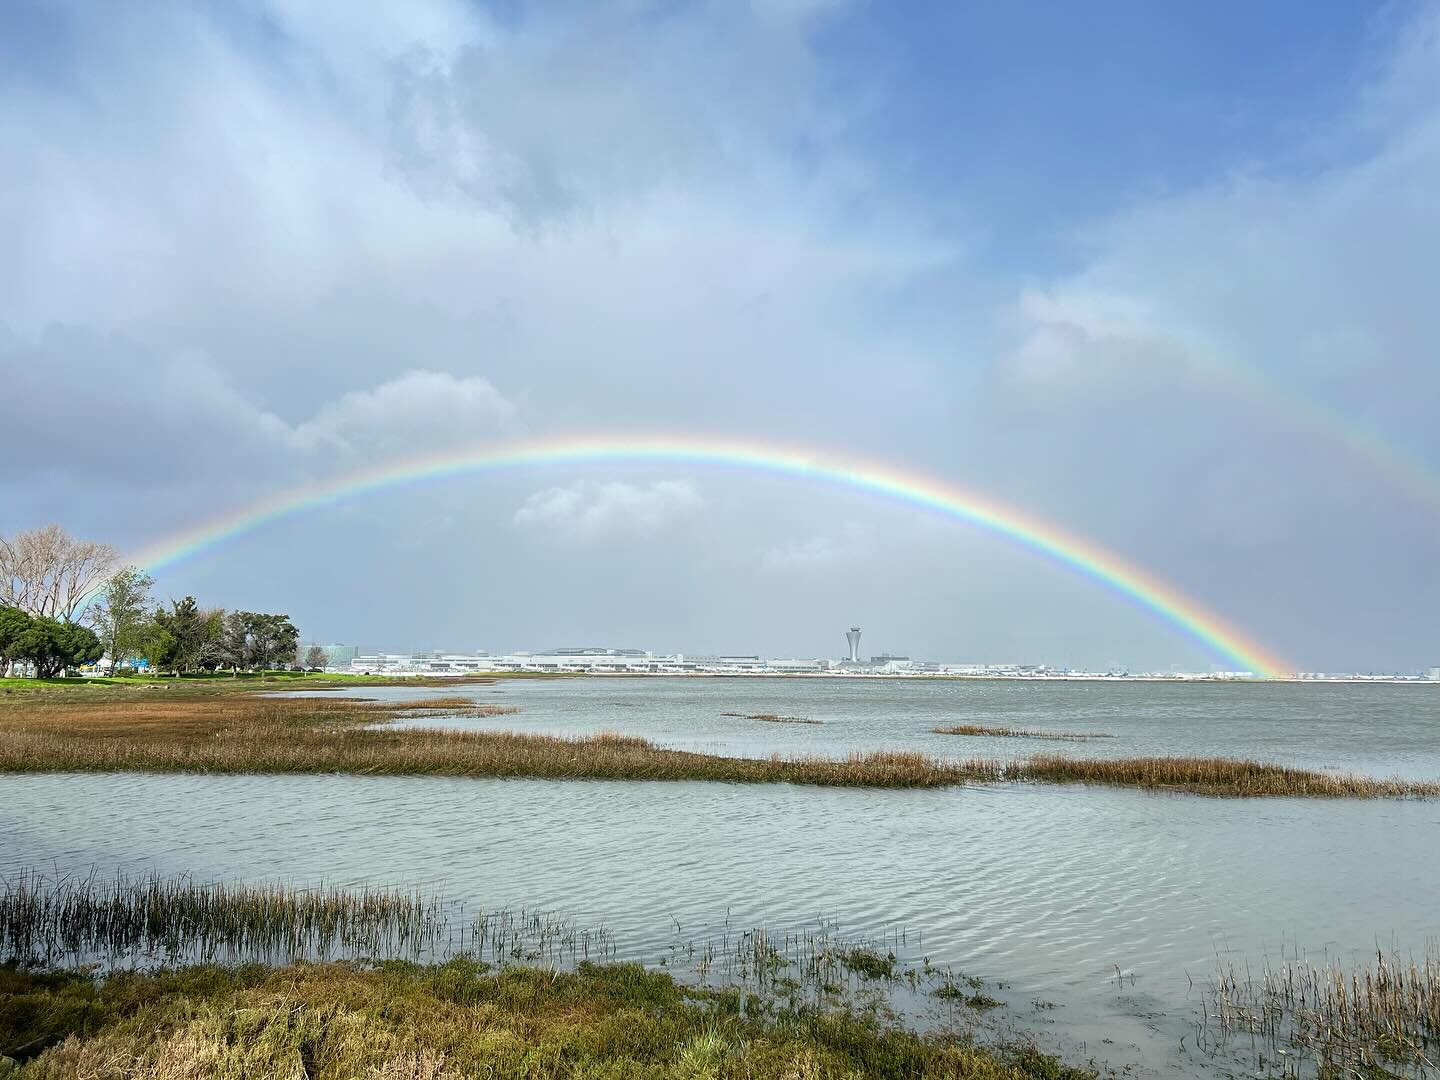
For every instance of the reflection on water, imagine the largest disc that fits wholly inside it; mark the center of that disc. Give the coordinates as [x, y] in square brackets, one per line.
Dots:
[1107, 903]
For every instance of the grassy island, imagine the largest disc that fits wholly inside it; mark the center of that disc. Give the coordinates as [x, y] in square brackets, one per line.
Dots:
[245, 733]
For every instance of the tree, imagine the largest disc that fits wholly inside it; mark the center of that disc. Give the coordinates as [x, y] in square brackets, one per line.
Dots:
[272, 639]
[52, 646]
[47, 573]
[234, 648]
[316, 657]
[13, 622]
[253, 639]
[191, 638]
[120, 612]
[158, 646]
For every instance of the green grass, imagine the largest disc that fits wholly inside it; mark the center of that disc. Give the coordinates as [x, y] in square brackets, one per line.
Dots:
[459, 1019]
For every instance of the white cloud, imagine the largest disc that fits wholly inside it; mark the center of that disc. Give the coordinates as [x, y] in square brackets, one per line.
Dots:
[585, 513]
[189, 418]
[420, 408]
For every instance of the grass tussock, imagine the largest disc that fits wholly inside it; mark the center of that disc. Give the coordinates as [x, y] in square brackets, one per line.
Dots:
[251, 734]
[1019, 733]
[458, 1019]
[773, 718]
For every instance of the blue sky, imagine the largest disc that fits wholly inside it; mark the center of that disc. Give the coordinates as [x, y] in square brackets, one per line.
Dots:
[1027, 119]
[1161, 274]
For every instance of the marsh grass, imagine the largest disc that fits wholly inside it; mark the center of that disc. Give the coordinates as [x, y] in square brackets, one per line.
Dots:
[310, 735]
[814, 963]
[1019, 733]
[1380, 1020]
[47, 921]
[1214, 776]
[508, 1004]
[973, 997]
[460, 1019]
[773, 718]
[297, 735]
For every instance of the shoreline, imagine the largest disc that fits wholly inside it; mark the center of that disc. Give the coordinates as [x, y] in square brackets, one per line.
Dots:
[897, 677]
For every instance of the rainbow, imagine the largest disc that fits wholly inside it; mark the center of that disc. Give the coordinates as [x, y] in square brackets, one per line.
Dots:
[1035, 534]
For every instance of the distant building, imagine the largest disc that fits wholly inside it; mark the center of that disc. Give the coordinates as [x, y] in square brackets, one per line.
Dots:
[596, 651]
[852, 638]
[797, 667]
[1433, 674]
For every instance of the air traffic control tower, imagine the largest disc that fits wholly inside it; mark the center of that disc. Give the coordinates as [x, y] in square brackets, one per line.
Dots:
[852, 638]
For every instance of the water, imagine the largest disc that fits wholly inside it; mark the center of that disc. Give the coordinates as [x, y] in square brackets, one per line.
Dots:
[1051, 890]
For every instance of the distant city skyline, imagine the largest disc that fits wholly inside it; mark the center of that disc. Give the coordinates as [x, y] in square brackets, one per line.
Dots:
[360, 657]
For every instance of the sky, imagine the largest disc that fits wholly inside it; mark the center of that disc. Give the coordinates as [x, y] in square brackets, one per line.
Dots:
[1161, 275]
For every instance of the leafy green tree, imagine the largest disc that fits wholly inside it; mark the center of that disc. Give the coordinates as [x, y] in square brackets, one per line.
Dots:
[53, 646]
[273, 639]
[120, 613]
[158, 646]
[194, 636]
[13, 622]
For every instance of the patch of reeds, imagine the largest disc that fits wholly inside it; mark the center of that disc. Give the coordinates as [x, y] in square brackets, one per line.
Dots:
[1214, 776]
[237, 734]
[451, 706]
[490, 1000]
[773, 718]
[1019, 733]
[1380, 1020]
[814, 961]
[48, 921]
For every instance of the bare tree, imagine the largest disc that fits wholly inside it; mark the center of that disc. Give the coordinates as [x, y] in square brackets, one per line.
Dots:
[48, 573]
[316, 657]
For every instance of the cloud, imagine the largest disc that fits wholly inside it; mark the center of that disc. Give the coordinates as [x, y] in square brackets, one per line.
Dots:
[817, 553]
[419, 409]
[295, 240]
[585, 513]
[180, 416]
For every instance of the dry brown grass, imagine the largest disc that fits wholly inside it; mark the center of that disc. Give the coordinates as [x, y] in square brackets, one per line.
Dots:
[244, 734]
[1020, 733]
[1215, 776]
[308, 735]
